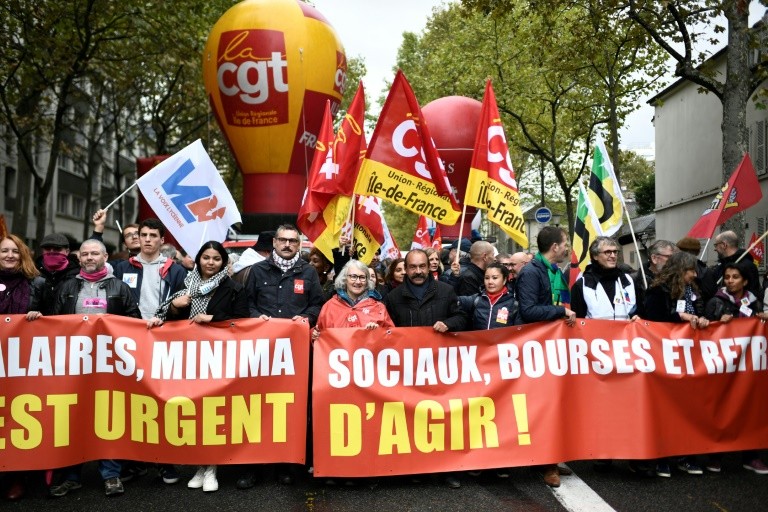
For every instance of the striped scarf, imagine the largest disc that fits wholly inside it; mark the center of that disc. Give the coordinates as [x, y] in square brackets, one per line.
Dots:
[199, 290]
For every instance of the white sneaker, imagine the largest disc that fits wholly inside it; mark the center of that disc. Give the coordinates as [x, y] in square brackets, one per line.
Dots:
[197, 480]
[210, 483]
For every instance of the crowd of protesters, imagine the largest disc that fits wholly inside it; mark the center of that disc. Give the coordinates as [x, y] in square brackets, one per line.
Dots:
[468, 286]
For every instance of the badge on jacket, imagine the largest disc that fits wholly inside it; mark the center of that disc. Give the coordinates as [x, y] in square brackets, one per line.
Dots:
[502, 315]
[131, 279]
[298, 286]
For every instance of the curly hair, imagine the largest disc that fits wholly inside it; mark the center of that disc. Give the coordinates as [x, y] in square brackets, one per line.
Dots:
[672, 274]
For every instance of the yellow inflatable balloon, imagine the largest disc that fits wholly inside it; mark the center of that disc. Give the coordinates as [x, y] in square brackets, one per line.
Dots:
[269, 66]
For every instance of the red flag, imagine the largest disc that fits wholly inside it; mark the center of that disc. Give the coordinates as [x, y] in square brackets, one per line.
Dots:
[421, 236]
[437, 238]
[402, 165]
[369, 227]
[349, 146]
[741, 192]
[758, 251]
[325, 206]
[492, 185]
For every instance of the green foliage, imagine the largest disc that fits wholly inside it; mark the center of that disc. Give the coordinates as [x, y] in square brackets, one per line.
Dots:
[402, 224]
[645, 195]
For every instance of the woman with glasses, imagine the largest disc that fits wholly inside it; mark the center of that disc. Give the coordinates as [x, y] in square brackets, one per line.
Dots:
[356, 303]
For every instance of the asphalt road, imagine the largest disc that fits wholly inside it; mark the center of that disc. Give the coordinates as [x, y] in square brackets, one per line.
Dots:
[733, 490]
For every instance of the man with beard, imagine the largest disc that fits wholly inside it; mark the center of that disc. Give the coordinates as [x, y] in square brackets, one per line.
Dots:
[728, 251]
[283, 286]
[94, 291]
[56, 265]
[424, 301]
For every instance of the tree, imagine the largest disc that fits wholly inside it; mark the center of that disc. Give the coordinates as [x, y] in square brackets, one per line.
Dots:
[640, 180]
[676, 26]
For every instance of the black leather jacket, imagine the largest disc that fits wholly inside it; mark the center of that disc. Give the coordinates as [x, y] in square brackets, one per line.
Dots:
[119, 298]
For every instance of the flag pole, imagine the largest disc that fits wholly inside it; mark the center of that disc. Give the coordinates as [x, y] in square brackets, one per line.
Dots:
[121, 195]
[351, 214]
[461, 228]
[752, 246]
[704, 251]
[637, 248]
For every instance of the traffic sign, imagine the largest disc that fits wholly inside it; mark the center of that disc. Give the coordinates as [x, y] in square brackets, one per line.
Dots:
[543, 215]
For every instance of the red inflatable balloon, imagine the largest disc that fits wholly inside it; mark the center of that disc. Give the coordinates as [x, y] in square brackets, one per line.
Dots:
[453, 124]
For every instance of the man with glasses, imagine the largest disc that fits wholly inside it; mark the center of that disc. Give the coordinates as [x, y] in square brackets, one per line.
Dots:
[604, 291]
[658, 253]
[728, 251]
[283, 286]
[130, 234]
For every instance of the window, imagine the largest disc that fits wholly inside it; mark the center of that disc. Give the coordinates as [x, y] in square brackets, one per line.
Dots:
[78, 207]
[63, 163]
[62, 203]
[10, 182]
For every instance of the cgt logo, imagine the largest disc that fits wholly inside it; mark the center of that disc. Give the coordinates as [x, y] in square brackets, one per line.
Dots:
[195, 203]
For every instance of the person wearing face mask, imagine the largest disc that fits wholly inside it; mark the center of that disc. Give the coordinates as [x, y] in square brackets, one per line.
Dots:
[55, 265]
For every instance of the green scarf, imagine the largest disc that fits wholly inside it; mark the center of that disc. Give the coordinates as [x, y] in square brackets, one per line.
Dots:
[560, 292]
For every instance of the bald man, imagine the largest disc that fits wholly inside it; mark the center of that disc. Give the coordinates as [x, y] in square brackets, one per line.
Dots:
[471, 280]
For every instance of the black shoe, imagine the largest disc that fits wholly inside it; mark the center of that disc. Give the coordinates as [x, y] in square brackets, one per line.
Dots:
[285, 478]
[57, 491]
[246, 481]
[132, 472]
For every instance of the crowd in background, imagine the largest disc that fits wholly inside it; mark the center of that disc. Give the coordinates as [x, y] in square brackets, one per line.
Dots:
[467, 286]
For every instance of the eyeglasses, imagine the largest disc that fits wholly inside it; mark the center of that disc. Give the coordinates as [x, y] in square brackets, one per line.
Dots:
[719, 243]
[356, 277]
[132, 234]
[664, 255]
[292, 241]
[508, 265]
[610, 252]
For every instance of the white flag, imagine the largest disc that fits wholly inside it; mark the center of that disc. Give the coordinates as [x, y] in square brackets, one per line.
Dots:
[189, 197]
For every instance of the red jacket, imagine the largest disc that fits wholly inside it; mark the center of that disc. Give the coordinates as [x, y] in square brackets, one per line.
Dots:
[338, 313]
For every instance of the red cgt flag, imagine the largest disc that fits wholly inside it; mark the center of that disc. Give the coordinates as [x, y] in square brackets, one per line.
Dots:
[437, 238]
[325, 205]
[349, 146]
[402, 165]
[421, 236]
[741, 192]
[758, 251]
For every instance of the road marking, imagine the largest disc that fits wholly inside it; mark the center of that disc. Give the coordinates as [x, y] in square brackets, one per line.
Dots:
[576, 496]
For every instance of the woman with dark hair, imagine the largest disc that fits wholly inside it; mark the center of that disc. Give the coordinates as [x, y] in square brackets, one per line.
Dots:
[323, 267]
[674, 297]
[495, 306]
[395, 274]
[731, 301]
[21, 293]
[209, 295]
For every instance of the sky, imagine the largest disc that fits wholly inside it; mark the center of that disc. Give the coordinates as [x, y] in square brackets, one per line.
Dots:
[373, 29]
[378, 42]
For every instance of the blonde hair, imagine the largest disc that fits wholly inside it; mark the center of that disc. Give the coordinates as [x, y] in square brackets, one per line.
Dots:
[26, 263]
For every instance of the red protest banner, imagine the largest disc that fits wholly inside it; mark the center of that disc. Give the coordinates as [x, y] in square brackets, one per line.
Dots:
[109, 388]
[409, 400]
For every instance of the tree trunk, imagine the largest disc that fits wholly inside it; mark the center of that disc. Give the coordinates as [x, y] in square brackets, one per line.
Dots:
[23, 197]
[735, 100]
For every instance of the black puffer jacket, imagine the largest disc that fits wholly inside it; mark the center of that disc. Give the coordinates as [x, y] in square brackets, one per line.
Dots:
[484, 316]
[440, 303]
